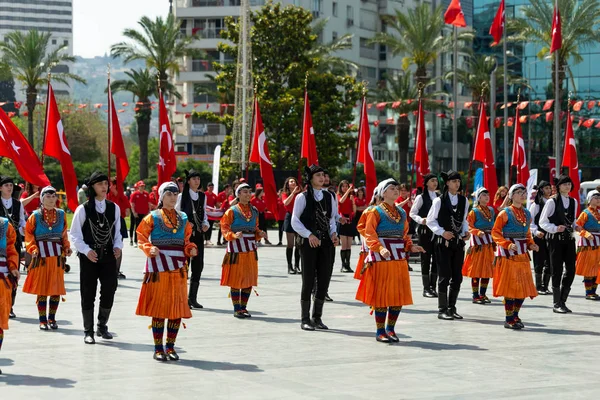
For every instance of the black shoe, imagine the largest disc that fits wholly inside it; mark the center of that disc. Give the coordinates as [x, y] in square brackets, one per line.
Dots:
[347, 269]
[131, 243]
[511, 326]
[307, 325]
[486, 300]
[455, 315]
[162, 357]
[560, 309]
[89, 338]
[434, 292]
[410, 268]
[327, 298]
[173, 355]
[478, 300]
[121, 276]
[194, 304]
[298, 270]
[239, 314]
[104, 334]
[593, 297]
[318, 323]
[44, 326]
[427, 293]
[566, 308]
[392, 336]
[445, 315]
[519, 323]
[246, 313]
[291, 270]
[219, 244]
[383, 338]
[12, 314]
[53, 325]
[279, 244]
[543, 292]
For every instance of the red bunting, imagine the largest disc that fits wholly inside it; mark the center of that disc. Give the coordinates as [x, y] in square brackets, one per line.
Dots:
[591, 104]
[548, 105]
[396, 104]
[511, 121]
[523, 105]
[588, 123]
[381, 106]
[523, 119]
[578, 106]
[376, 123]
[497, 122]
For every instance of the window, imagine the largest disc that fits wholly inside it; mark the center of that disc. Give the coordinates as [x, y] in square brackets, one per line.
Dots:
[204, 93]
[205, 63]
[367, 49]
[66, 42]
[183, 27]
[208, 28]
[202, 127]
[334, 36]
[53, 41]
[316, 8]
[334, 9]
[349, 15]
[382, 52]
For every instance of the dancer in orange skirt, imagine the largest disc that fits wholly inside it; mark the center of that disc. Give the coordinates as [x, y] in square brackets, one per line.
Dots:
[9, 272]
[588, 248]
[240, 265]
[47, 241]
[512, 272]
[479, 261]
[360, 227]
[164, 236]
[386, 283]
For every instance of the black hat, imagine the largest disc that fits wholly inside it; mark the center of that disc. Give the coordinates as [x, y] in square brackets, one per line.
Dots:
[563, 179]
[448, 176]
[540, 192]
[543, 184]
[310, 171]
[95, 178]
[192, 173]
[428, 177]
[6, 179]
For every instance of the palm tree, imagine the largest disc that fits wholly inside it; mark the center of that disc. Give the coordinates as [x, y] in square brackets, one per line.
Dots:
[323, 54]
[160, 44]
[418, 35]
[142, 84]
[403, 87]
[29, 58]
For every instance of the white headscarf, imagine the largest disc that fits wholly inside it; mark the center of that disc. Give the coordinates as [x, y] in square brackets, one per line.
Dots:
[240, 187]
[384, 185]
[167, 187]
[514, 188]
[592, 194]
[478, 193]
[45, 191]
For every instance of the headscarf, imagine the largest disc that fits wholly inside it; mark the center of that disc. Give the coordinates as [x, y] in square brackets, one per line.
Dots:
[45, 191]
[384, 185]
[240, 187]
[478, 193]
[167, 187]
[514, 188]
[593, 193]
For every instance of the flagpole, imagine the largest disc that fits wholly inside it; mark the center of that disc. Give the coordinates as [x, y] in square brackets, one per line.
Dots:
[252, 130]
[299, 180]
[455, 98]
[360, 118]
[109, 126]
[420, 87]
[557, 113]
[470, 174]
[46, 120]
[505, 90]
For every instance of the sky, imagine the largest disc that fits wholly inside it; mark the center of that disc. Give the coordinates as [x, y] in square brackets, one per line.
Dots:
[99, 24]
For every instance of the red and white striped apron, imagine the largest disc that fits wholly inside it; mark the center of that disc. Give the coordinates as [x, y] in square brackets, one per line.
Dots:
[49, 249]
[169, 258]
[480, 241]
[594, 241]
[521, 248]
[395, 247]
[245, 244]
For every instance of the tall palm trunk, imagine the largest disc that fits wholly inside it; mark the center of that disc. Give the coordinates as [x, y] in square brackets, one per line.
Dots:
[402, 135]
[143, 134]
[31, 99]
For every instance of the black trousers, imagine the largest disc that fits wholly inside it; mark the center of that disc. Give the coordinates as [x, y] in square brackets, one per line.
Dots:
[262, 222]
[316, 263]
[208, 233]
[105, 271]
[280, 226]
[541, 259]
[428, 259]
[138, 220]
[449, 262]
[562, 252]
[132, 226]
[197, 263]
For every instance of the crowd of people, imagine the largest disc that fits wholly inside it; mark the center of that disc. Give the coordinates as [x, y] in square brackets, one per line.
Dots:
[174, 222]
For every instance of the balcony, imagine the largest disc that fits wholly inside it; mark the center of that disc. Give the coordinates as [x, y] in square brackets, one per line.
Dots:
[369, 53]
[216, 3]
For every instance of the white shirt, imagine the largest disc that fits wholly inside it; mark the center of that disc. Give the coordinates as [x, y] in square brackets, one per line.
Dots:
[79, 218]
[548, 211]
[299, 207]
[194, 196]
[432, 216]
[534, 209]
[416, 207]
[8, 203]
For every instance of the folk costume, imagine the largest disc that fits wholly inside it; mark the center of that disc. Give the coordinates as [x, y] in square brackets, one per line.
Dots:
[96, 227]
[9, 261]
[164, 290]
[418, 213]
[479, 261]
[314, 214]
[240, 264]
[360, 228]
[385, 285]
[512, 271]
[541, 259]
[46, 240]
[448, 214]
[588, 248]
[560, 210]
[193, 204]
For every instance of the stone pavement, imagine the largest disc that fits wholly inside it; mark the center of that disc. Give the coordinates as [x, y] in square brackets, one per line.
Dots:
[269, 357]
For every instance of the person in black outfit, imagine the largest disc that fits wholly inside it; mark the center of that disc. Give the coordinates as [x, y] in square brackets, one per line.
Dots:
[558, 220]
[96, 234]
[314, 219]
[541, 261]
[447, 219]
[192, 201]
[418, 213]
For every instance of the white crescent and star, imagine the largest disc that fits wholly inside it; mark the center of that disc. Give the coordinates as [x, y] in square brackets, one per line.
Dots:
[262, 138]
[572, 143]
[522, 146]
[168, 134]
[61, 137]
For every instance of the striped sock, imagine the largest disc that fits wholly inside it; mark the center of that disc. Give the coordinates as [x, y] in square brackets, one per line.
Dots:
[483, 285]
[1, 337]
[588, 282]
[509, 306]
[172, 330]
[475, 287]
[158, 329]
[54, 302]
[235, 299]
[392, 317]
[42, 303]
[245, 295]
[595, 285]
[380, 314]
[518, 304]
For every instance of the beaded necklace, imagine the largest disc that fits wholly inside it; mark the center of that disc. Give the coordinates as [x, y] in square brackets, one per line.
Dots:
[175, 224]
[49, 217]
[520, 215]
[392, 212]
[486, 213]
[247, 215]
[595, 213]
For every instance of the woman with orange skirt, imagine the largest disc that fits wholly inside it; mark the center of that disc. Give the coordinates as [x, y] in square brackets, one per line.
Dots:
[47, 241]
[360, 228]
[588, 248]
[9, 272]
[512, 272]
[479, 261]
[385, 285]
[240, 265]
[164, 236]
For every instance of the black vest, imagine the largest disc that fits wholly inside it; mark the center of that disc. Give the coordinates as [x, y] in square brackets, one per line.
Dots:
[93, 218]
[188, 205]
[447, 214]
[536, 220]
[15, 211]
[309, 215]
[562, 216]
[426, 206]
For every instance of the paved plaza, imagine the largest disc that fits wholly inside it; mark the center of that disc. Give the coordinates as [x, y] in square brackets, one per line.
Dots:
[269, 357]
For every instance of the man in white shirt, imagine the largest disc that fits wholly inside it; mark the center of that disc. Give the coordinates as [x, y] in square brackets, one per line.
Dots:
[96, 234]
[447, 219]
[541, 262]
[313, 219]
[418, 213]
[558, 220]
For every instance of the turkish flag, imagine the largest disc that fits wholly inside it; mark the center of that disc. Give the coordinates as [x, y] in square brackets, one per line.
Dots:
[454, 15]
[570, 158]
[519, 157]
[556, 43]
[497, 28]
[167, 163]
[483, 151]
[309, 146]
[117, 147]
[56, 146]
[552, 166]
[260, 155]
[421, 155]
[365, 151]
[13, 145]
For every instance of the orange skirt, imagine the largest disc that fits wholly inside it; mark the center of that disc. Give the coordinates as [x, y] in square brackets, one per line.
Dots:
[5, 303]
[385, 284]
[479, 262]
[588, 261]
[359, 265]
[167, 297]
[47, 279]
[513, 279]
[242, 274]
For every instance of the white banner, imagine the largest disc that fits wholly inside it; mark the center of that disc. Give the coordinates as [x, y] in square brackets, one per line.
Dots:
[533, 178]
[216, 167]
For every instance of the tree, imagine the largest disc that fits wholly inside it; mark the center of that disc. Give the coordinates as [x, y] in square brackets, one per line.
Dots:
[152, 151]
[282, 39]
[7, 89]
[29, 57]
[324, 54]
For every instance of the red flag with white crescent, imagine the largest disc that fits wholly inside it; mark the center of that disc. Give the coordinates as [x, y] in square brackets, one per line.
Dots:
[309, 146]
[497, 28]
[556, 42]
[167, 163]
[483, 151]
[421, 155]
[519, 156]
[365, 151]
[570, 159]
[117, 147]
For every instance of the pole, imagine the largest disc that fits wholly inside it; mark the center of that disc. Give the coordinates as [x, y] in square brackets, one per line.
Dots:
[362, 107]
[557, 115]
[455, 98]
[505, 89]
[109, 126]
[46, 121]
[493, 106]
[244, 88]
